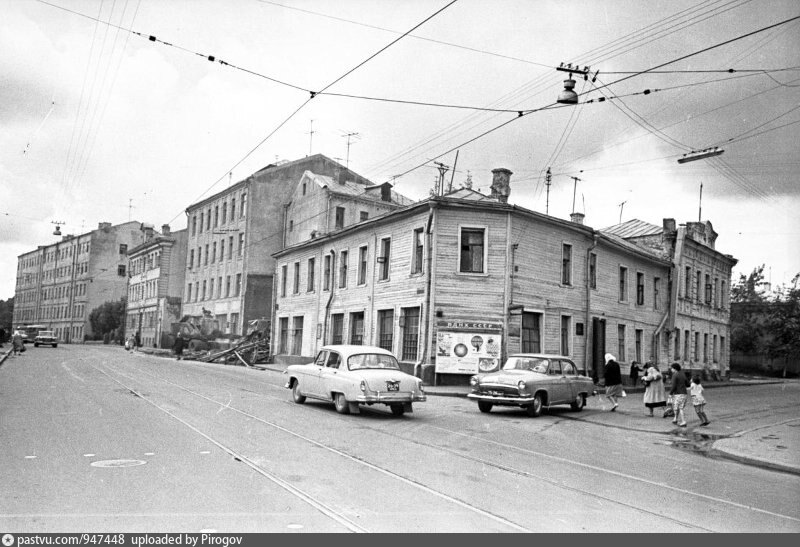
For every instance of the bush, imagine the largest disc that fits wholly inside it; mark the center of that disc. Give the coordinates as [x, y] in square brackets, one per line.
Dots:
[107, 338]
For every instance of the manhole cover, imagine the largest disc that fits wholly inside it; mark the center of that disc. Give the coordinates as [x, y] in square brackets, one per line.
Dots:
[118, 463]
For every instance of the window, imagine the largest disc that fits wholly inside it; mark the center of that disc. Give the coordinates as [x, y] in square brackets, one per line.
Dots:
[121, 270]
[291, 225]
[304, 188]
[208, 219]
[566, 331]
[310, 276]
[357, 328]
[339, 218]
[243, 207]
[234, 323]
[416, 264]
[233, 209]
[227, 286]
[383, 259]
[296, 285]
[531, 332]
[189, 292]
[283, 341]
[472, 250]
[687, 292]
[566, 265]
[214, 252]
[698, 286]
[638, 338]
[722, 295]
[714, 349]
[326, 273]
[238, 284]
[216, 216]
[409, 323]
[621, 342]
[284, 273]
[194, 225]
[221, 250]
[297, 336]
[191, 259]
[343, 269]
[211, 289]
[697, 346]
[722, 348]
[205, 258]
[241, 244]
[593, 270]
[639, 289]
[687, 345]
[656, 292]
[123, 249]
[385, 329]
[204, 289]
[716, 292]
[708, 290]
[362, 265]
[623, 284]
[337, 324]
[363, 215]
[677, 344]
[705, 348]
[230, 247]
[224, 212]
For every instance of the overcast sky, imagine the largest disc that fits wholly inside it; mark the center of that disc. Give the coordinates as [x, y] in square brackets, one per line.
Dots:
[101, 124]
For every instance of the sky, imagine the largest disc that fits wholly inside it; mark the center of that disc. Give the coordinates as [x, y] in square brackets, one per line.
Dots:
[101, 123]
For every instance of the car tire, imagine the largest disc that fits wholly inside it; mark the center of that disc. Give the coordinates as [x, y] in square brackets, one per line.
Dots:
[342, 406]
[485, 406]
[55, 345]
[36, 344]
[535, 409]
[398, 409]
[298, 397]
[579, 402]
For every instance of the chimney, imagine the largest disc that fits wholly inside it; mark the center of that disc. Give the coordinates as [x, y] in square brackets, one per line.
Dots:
[577, 218]
[104, 226]
[669, 224]
[386, 192]
[165, 229]
[501, 184]
[340, 176]
[148, 230]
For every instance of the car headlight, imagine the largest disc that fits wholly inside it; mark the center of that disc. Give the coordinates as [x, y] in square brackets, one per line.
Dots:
[363, 386]
[521, 385]
[473, 381]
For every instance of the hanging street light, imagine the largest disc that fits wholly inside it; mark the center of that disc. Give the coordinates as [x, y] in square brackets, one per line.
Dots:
[568, 95]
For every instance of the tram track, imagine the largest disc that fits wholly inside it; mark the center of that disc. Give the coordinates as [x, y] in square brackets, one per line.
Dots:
[481, 461]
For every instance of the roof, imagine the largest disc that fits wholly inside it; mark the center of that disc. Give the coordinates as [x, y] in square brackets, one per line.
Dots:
[633, 228]
[352, 349]
[354, 189]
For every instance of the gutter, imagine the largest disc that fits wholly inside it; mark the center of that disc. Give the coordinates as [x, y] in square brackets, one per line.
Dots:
[432, 206]
[588, 303]
[330, 298]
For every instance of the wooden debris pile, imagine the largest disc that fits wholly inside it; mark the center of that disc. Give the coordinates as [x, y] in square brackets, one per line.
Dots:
[250, 351]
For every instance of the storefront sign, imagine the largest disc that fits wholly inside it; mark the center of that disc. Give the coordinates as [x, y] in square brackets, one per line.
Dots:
[467, 347]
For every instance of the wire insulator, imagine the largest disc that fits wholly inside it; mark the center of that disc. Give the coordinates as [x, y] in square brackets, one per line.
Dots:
[211, 58]
[152, 38]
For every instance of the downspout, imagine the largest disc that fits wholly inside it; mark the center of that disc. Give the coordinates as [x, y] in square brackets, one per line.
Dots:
[588, 302]
[507, 288]
[373, 320]
[330, 298]
[426, 335]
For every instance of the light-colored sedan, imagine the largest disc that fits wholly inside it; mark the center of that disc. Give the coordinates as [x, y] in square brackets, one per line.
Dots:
[532, 381]
[45, 338]
[350, 376]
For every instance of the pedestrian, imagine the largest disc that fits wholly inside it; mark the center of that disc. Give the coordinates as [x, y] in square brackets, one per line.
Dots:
[698, 401]
[654, 394]
[613, 380]
[2, 336]
[137, 341]
[178, 346]
[129, 343]
[678, 392]
[16, 343]
[634, 374]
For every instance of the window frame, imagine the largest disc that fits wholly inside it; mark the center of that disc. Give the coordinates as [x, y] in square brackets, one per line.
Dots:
[566, 264]
[472, 228]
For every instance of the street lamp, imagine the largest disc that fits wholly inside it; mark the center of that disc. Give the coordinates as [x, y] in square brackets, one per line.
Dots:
[568, 95]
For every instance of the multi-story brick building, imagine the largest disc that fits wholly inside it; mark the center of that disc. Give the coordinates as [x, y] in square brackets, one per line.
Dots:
[58, 285]
[155, 287]
[232, 234]
[463, 280]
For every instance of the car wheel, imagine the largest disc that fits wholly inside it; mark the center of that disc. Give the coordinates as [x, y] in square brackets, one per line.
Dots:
[36, 345]
[342, 407]
[578, 403]
[298, 397]
[55, 345]
[398, 410]
[535, 409]
[484, 406]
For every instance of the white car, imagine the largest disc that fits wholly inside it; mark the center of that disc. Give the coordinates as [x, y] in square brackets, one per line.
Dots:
[350, 376]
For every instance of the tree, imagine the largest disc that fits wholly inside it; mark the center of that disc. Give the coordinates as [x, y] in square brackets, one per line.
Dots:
[6, 316]
[749, 288]
[748, 306]
[107, 318]
[783, 324]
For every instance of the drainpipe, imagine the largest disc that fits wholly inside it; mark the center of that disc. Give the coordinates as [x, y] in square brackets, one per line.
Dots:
[507, 288]
[588, 302]
[330, 298]
[426, 333]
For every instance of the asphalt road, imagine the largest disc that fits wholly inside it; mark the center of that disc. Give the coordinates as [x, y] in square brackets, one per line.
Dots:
[96, 439]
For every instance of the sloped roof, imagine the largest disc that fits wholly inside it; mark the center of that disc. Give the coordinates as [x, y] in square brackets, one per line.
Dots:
[353, 189]
[468, 194]
[633, 228]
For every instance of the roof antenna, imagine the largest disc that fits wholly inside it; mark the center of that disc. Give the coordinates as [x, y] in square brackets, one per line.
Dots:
[621, 206]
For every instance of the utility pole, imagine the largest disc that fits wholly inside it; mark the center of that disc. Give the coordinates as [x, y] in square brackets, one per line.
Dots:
[621, 206]
[450, 186]
[440, 183]
[574, 189]
[310, 137]
[700, 205]
[547, 181]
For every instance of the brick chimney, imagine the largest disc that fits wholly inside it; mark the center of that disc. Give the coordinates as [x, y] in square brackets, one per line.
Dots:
[386, 192]
[501, 184]
[165, 229]
[577, 218]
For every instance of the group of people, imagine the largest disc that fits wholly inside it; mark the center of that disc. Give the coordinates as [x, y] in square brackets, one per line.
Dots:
[655, 394]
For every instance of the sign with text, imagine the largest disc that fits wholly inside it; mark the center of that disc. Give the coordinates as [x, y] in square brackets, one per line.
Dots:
[467, 347]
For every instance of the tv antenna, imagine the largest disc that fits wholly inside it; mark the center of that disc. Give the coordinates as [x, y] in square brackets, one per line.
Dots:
[349, 137]
[621, 206]
[311, 137]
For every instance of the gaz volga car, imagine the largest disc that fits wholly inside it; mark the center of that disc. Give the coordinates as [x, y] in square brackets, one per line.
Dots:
[45, 338]
[350, 376]
[532, 381]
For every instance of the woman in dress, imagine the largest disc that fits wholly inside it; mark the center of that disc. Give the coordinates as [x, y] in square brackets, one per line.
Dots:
[654, 394]
[613, 380]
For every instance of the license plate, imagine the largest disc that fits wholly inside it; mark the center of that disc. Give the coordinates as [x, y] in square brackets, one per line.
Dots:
[392, 386]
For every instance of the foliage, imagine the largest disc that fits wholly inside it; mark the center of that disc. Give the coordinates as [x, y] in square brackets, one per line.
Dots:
[748, 308]
[749, 288]
[7, 315]
[107, 317]
[783, 322]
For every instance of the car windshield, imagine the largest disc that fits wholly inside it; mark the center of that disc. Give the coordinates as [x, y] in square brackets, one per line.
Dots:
[46, 333]
[371, 360]
[535, 364]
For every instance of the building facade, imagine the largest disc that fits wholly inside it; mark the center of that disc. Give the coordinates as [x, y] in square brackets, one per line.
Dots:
[58, 285]
[155, 287]
[232, 235]
[461, 281]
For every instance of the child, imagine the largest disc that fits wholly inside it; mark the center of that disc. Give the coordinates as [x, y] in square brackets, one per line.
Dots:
[696, 390]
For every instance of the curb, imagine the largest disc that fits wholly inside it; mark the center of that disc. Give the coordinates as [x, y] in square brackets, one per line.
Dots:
[749, 460]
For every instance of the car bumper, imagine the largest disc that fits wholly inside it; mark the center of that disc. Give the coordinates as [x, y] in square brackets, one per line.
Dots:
[390, 398]
[501, 400]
